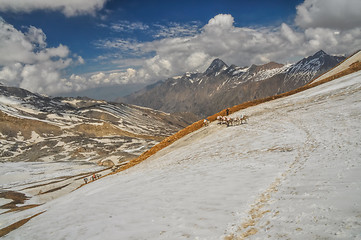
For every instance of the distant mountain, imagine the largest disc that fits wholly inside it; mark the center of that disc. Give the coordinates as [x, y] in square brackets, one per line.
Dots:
[308, 68]
[39, 128]
[216, 66]
[222, 86]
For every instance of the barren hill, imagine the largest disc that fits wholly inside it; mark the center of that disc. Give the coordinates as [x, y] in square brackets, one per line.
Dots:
[39, 128]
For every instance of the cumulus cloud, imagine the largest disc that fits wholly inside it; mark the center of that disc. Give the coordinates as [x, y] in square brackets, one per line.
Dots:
[36, 36]
[221, 21]
[27, 62]
[332, 14]
[69, 8]
[116, 77]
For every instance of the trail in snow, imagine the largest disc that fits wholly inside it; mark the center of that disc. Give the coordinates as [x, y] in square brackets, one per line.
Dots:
[284, 175]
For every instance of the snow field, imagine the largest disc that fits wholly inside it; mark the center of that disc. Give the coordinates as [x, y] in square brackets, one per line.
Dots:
[292, 172]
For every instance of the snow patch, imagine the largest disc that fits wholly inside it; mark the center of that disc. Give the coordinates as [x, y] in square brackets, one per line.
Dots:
[133, 150]
[242, 70]
[35, 138]
[9, 101]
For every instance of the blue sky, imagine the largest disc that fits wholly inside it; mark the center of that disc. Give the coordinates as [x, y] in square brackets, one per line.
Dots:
[111, 47]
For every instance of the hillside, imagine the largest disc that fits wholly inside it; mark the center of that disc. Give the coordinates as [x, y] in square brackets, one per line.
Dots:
[222, 86]
[48, 145]
[40, 128]
[285, 174]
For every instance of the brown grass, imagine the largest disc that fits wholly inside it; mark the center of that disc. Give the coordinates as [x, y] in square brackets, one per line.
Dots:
[166, 142]
[11, 126]
[54, 189]
[22, 208]
[16, 197]
[16, 225]
[107, 129]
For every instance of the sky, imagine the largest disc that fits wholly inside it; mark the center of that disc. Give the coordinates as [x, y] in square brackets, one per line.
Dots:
[108, 48]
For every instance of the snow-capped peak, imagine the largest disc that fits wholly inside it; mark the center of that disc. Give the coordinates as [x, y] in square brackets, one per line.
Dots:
[216, 66]
[319, 54]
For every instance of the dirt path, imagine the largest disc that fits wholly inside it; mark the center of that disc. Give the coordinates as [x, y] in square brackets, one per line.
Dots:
[304, 185]
[261, 209]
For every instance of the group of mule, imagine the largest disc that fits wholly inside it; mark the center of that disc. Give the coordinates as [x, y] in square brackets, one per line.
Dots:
[229, 121]
[92, 178]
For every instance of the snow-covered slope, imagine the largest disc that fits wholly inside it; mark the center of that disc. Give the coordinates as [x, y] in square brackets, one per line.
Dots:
[292, 172]
[48, 145]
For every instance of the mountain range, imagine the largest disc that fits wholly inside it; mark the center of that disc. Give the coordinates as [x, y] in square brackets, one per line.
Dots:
[38, 128]
[222, 86]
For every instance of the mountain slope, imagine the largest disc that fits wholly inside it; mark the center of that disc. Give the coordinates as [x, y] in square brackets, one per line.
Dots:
[49, 145]
[352, 62]
[39, 128]
[224, 86]
[285, 174]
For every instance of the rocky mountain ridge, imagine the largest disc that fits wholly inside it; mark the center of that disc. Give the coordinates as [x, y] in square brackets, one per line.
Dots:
[222, 86]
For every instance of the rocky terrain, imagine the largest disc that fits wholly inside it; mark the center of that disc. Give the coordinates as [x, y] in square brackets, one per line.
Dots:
[222, 86]
[39, 128]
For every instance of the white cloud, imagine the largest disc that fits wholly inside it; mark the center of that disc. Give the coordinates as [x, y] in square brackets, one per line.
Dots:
[197, 59]
[126, 26]
[290, 35]
[78, 82]
[157, 30]
[36, 36]
[334, 14]
[173, 30]
[96, 78]
[81, 60]
[131, 47]
[69, 8]
[14, 45]
[221, 21]
[26, 62]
